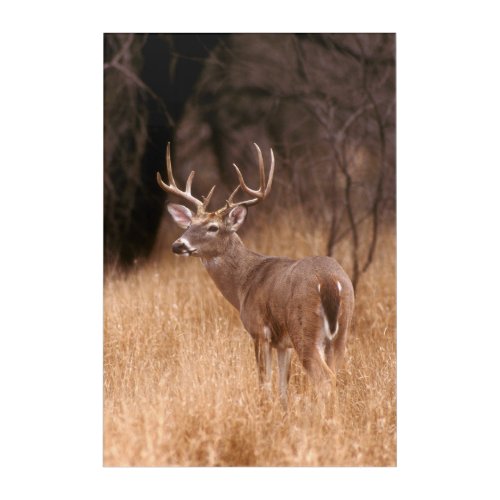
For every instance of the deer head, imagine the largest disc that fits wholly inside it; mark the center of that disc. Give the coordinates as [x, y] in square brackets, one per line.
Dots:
[208, 233]
[285, 304]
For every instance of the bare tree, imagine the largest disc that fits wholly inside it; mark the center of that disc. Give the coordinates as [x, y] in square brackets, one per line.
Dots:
[125, 119]
[325, 103]
[147, 81]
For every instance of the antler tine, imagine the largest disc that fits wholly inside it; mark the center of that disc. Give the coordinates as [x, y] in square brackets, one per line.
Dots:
[206, 199]
[171, 187]
[262, 174]
[271, 175]
[263, 190]
[231, 197]
[189, 182]
[170, 175]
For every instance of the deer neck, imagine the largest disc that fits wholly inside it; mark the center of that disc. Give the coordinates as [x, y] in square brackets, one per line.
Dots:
[230, 269]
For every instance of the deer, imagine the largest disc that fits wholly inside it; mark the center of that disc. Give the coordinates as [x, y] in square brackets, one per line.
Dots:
[303, 305]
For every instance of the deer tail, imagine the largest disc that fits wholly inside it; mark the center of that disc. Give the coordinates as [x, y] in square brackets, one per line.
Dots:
[329, 292]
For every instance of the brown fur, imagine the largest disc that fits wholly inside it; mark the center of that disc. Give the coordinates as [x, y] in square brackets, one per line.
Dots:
[282, 295]
[282, 302]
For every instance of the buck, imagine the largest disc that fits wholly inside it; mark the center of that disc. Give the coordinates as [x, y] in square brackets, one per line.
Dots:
[286, 304]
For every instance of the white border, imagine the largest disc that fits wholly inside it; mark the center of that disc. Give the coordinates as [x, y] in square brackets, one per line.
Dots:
[448, 251]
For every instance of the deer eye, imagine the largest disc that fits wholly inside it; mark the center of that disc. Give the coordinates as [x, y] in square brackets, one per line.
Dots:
[213, 228]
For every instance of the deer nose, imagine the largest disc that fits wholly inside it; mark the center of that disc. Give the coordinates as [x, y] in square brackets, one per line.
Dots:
[179, 247]
[182, 247]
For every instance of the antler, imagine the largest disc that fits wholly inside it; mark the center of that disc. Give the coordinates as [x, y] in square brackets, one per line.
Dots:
[171, 187]
[259, 194]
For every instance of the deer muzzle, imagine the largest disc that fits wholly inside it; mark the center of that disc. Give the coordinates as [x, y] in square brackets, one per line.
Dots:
[182, 247]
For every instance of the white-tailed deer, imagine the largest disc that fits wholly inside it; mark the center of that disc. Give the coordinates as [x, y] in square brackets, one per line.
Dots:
[304, 304]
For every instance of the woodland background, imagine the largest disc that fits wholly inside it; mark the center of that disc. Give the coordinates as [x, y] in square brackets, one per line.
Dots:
[325, 103]
[180, 383]
[448, 107]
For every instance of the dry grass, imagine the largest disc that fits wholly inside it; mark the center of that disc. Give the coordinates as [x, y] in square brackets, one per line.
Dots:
[180, 381]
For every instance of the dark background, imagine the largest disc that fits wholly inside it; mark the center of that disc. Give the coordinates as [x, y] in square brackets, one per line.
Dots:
[325, 103]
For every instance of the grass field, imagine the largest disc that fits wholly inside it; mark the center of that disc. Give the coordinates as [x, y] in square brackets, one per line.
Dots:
[180, 381]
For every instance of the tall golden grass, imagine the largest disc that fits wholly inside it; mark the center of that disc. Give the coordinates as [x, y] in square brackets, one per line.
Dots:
[180, 381]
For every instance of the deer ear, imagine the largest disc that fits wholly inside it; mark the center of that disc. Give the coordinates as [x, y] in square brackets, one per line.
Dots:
[236, 217]
[181, 214]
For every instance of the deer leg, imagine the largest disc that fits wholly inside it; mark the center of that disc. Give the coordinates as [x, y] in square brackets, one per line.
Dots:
[330, 356]
[284, 357]
[318, 369]
[309, 340]
[313, 359]
[324, 379]
[335, 354]
[338, 353]
[263, 355]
